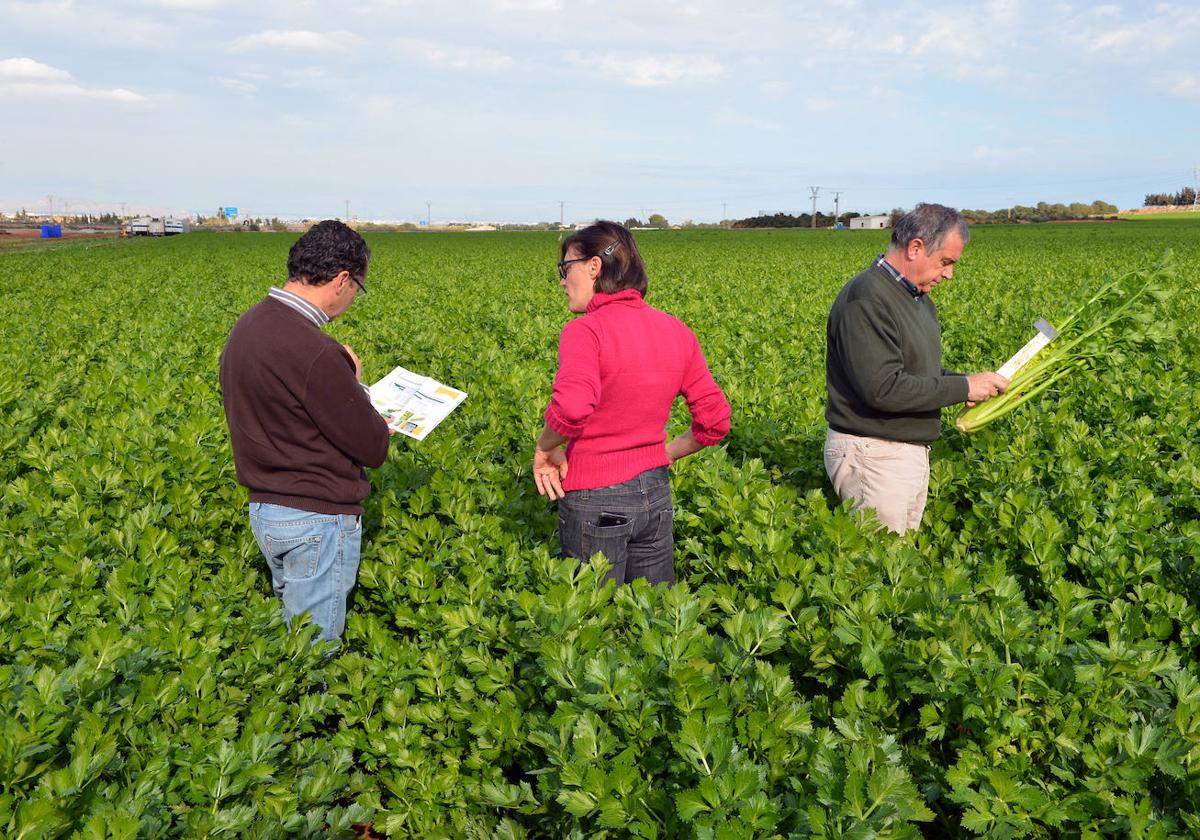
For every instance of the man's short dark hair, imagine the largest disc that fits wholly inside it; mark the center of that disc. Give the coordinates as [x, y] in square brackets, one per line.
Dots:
[327, 248]
[930, 223]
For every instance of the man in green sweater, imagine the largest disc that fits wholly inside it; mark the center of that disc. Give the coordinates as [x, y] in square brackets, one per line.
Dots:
[883, 370]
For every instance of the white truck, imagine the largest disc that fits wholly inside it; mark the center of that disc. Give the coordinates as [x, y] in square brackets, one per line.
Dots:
[155, 226]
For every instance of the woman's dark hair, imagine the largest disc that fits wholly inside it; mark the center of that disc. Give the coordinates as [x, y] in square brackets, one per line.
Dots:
[621, 265]
[327, 248]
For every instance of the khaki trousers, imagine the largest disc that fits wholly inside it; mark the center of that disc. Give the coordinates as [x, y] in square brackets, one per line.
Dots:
[886, 476]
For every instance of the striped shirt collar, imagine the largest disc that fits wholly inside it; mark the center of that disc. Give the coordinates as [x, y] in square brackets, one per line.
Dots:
[308, 310]
[882, 262]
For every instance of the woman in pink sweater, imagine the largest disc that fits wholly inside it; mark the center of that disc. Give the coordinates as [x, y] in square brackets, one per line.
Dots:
[621, 366]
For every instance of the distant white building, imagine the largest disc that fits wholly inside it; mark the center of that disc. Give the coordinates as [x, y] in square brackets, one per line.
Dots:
[869, 223]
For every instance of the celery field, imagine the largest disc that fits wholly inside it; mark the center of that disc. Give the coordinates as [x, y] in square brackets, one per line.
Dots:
[1027, 665]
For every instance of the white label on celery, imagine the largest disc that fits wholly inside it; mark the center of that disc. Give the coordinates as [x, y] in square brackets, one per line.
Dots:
[1045, 333]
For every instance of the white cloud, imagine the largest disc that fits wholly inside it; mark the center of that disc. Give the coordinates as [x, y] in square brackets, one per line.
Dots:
[946, 37]
[59, 90]
[309, 78]
[186, 5]
[295, 39]
[236, 85]
[28, 70]
[1183, 85]
[21, 77]
[1150, 35]
[452, 57]
[652, 71]
[527, 5]
[94, 24]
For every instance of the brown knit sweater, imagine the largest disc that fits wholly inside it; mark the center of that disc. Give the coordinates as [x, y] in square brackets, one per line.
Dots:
[301, 425]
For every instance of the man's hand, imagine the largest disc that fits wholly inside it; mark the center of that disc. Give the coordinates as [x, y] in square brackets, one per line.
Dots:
[984, 386]
[357, 362]
[549, 469]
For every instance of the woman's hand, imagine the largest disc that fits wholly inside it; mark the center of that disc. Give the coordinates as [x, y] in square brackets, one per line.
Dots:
[682, 446]
[549, 469]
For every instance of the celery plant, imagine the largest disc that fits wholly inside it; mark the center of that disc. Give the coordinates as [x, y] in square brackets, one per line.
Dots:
[1090, 335]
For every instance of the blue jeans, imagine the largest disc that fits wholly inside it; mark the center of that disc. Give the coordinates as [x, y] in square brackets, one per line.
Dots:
[630, 522]
[313, 559]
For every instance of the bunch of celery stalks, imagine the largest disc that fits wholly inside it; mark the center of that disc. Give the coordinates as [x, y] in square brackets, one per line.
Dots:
[1106, 322]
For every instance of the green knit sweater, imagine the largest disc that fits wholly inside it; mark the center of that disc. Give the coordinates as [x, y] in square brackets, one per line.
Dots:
[883, 362]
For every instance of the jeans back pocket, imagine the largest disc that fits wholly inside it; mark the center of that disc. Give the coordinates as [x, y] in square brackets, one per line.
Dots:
[299, 556]
[609, 540]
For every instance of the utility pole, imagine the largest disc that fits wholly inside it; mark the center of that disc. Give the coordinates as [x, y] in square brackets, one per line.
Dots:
[561, 205]
[1196, 187]
[836, 196]
[50, 198]
[428, 215]
[814, 191]
[347, 211]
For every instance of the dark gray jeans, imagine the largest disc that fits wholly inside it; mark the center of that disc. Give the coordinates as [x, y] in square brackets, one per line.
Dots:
[629, 522]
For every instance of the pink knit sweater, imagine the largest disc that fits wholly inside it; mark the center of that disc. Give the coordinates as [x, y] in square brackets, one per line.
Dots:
[620, 367]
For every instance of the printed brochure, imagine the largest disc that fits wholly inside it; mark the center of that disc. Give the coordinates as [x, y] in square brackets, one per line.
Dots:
[412, 404]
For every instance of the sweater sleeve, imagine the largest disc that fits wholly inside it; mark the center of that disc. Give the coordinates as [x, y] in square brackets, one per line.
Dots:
[870, 339]
[705, 399]
[577, 383]
[342, 410]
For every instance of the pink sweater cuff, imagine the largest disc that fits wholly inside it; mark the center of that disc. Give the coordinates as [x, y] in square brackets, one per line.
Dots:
[709, 437]
[558, 423]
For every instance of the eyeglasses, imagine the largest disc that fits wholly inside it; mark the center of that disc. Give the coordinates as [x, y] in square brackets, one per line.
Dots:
[358, 283]
[562, 266]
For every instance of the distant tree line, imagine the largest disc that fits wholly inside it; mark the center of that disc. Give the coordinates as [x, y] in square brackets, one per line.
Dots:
[787, 220]
[1041, 212]
[70, 218]
[1187, 195]
[656, 220]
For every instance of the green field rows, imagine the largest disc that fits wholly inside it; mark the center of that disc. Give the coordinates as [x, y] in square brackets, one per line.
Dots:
[1025, 666]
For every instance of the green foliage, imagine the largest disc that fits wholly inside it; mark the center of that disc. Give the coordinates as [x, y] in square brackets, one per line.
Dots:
[1024, 666]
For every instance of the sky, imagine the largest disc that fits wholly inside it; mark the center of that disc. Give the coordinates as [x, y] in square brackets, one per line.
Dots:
[532, 110]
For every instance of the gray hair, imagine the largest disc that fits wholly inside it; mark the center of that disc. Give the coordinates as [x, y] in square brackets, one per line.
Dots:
[930, 223]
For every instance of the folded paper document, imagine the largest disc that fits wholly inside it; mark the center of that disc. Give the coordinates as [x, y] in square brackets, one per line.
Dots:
[412, 404]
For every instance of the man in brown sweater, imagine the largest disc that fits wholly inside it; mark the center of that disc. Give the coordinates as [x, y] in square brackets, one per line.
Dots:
[302, 426]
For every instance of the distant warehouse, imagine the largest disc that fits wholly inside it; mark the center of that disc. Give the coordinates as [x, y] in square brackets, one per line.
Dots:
[869, 223]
